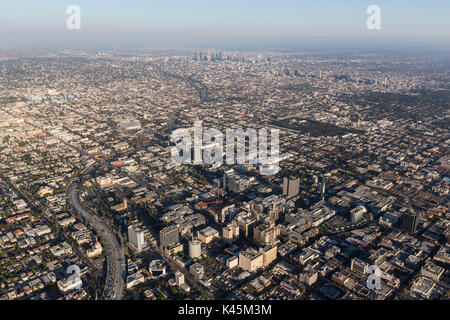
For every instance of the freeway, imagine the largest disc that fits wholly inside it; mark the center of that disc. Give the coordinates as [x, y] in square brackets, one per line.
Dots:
[196, 84]
[114, 285]
[115, 253]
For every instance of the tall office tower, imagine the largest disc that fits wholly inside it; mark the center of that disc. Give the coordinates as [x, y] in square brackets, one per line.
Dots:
[198, 144]
[410, 221]
[291, 186]
[168, 236]
[179, 278]
[322, 187]
[285, 186]
[136, 238]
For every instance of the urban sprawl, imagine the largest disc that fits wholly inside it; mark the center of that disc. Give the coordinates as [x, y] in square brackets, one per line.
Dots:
[93, 207]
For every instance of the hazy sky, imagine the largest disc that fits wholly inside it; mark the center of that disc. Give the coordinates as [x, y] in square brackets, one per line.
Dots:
[190, 23]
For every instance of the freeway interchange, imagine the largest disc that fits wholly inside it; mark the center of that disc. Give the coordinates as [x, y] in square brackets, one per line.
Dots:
[115, 253]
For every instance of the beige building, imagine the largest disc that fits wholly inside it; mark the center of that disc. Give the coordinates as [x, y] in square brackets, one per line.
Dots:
[95, 251]
[121, 206]
[250, 260]
[308, 277]
[174, 248]
[269, 254]
[230, 232]
[207, 235]
[265, 234]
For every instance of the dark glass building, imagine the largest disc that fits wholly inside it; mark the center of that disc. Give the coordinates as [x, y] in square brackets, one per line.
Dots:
[410, 222]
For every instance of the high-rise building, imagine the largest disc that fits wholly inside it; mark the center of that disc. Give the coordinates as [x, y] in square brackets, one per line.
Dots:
[250, 260]
[136, 238]
[357, 214]
[179, 278]
[265, 234]
[195, 248]
[269, 254]
[285, 186]
[410, 221]
[168, 236]
[359, 266]
[227, 213]
[322, 187]
[230, 232]
[246, 224]
[197, 270]
[291, 186]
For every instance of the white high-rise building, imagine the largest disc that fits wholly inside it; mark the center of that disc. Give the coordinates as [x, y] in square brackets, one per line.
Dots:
[136, 238]
[179, 277]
